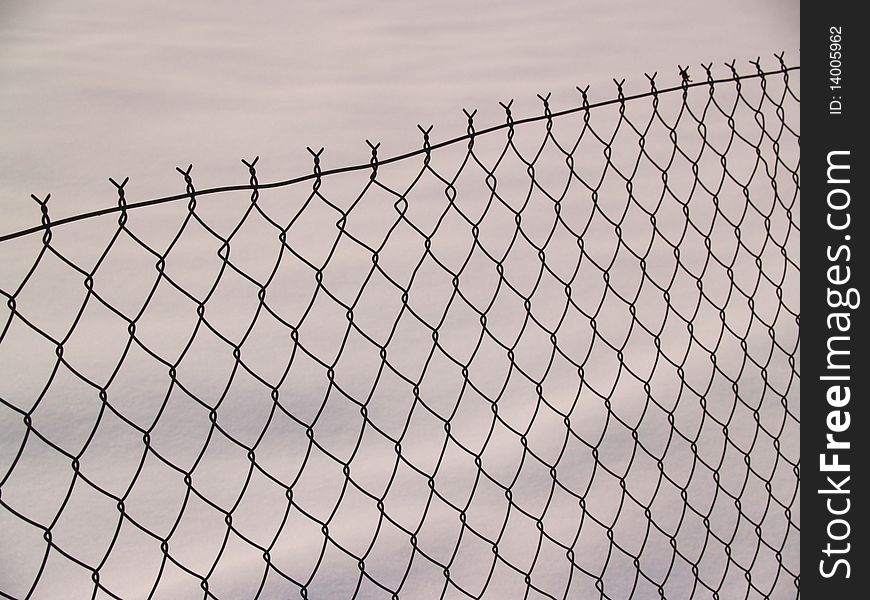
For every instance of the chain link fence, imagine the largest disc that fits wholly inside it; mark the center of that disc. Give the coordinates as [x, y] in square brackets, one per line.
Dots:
[552, 358]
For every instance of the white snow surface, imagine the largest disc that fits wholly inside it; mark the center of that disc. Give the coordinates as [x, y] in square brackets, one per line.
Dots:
[97, 89]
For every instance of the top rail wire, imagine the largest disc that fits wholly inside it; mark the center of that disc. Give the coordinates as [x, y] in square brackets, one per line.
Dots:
[687, 84]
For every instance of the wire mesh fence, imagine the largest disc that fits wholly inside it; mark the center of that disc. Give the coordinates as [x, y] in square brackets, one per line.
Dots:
[552, 358]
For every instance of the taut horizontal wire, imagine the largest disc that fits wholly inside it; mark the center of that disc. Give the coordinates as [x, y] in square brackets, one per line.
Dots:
[385, 161]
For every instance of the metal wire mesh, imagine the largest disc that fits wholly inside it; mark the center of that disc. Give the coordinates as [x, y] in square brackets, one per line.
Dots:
[562, 362]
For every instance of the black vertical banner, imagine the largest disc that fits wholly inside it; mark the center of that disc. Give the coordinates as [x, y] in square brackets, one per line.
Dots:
[834, 419]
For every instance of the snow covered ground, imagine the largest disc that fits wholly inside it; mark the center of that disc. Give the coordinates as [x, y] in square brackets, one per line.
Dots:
[99, 90]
